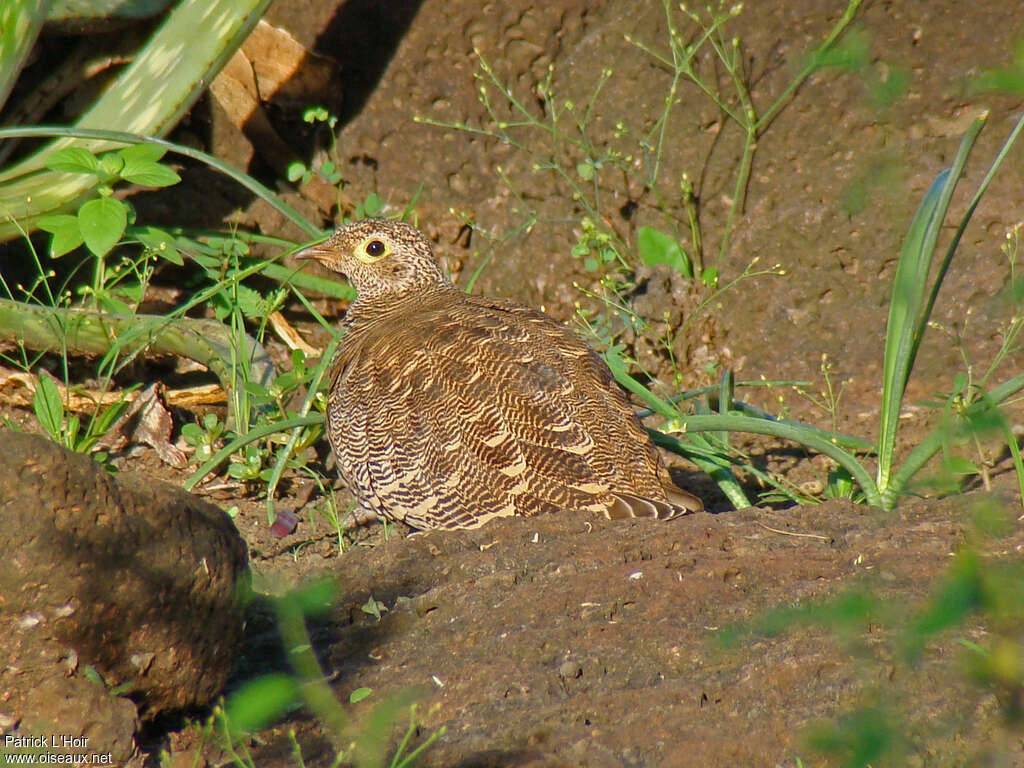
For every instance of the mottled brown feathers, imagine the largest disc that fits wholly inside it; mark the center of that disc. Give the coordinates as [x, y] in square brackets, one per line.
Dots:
[447, 410]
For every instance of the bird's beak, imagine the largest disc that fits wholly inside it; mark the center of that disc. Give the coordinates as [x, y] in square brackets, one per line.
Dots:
[317, 252]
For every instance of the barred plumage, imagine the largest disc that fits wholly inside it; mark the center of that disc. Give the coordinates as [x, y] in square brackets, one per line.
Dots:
[447, 410]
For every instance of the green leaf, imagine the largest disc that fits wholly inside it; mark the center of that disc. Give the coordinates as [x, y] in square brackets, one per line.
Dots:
[71, 429]
[113, 305]
[658, 248]
[112, 163]
[250, 302]
[585, 171]
[359, 694]
[102, 222]
[159, 242]
[48, 407]
[295, 171]
[73, 160]
[149, 174]
[373, 204]
[238, 471]
[958, 465]
[373, 607]
[257, 703]
[142, 152]
[66, 234]
[192, 433]
[315, 114]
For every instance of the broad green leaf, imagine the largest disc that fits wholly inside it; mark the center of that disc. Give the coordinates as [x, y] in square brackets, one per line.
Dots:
[48, 407]
[295, 171]
[192, 433]
[148, 173]
[144, 152]
[73, 160]
[658, 248]
[66, 233]
[102, 222]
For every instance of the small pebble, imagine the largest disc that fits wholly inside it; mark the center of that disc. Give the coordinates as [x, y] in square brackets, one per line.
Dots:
[570, 670]
[285, 524]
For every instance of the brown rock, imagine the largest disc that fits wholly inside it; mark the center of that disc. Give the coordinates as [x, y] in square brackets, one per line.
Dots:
[132, 577]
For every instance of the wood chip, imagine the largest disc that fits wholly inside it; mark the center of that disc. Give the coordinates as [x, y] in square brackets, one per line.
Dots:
[287, 333]
[17, 389]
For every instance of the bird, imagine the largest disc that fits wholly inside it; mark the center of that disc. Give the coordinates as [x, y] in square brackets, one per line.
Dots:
[446, 410]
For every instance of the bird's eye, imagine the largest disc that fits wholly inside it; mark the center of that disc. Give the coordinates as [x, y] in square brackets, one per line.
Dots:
[375, 248]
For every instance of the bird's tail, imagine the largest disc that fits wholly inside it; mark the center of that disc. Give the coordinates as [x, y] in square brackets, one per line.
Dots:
[677, 503]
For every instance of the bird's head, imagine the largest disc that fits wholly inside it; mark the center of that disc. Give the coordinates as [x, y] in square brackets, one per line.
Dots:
[382, 258]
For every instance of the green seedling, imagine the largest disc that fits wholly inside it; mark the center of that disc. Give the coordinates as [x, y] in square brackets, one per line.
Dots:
[66, 428]
[204, 436]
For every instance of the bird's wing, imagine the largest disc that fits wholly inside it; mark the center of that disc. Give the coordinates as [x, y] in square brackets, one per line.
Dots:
[469, 419]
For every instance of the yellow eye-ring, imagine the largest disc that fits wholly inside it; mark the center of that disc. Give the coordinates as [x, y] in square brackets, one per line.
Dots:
[372, 249]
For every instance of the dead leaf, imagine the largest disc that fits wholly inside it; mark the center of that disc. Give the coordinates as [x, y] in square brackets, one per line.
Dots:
[146, 421]
[18, 387]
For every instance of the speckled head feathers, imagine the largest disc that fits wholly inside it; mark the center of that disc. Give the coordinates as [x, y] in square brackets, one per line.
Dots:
[382, 258]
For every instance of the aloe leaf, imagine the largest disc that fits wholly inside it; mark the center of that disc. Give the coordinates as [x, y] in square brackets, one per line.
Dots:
[20, 22]
[908, 307]
[149, 97]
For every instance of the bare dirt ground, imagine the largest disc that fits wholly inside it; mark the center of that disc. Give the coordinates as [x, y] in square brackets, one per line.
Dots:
[566, 641]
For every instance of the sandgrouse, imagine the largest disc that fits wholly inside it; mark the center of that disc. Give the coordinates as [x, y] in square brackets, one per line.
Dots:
[446, 410]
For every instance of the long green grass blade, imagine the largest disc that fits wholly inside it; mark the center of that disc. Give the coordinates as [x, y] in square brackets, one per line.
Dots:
[976, 126]
[798, 434]
[955, 171]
